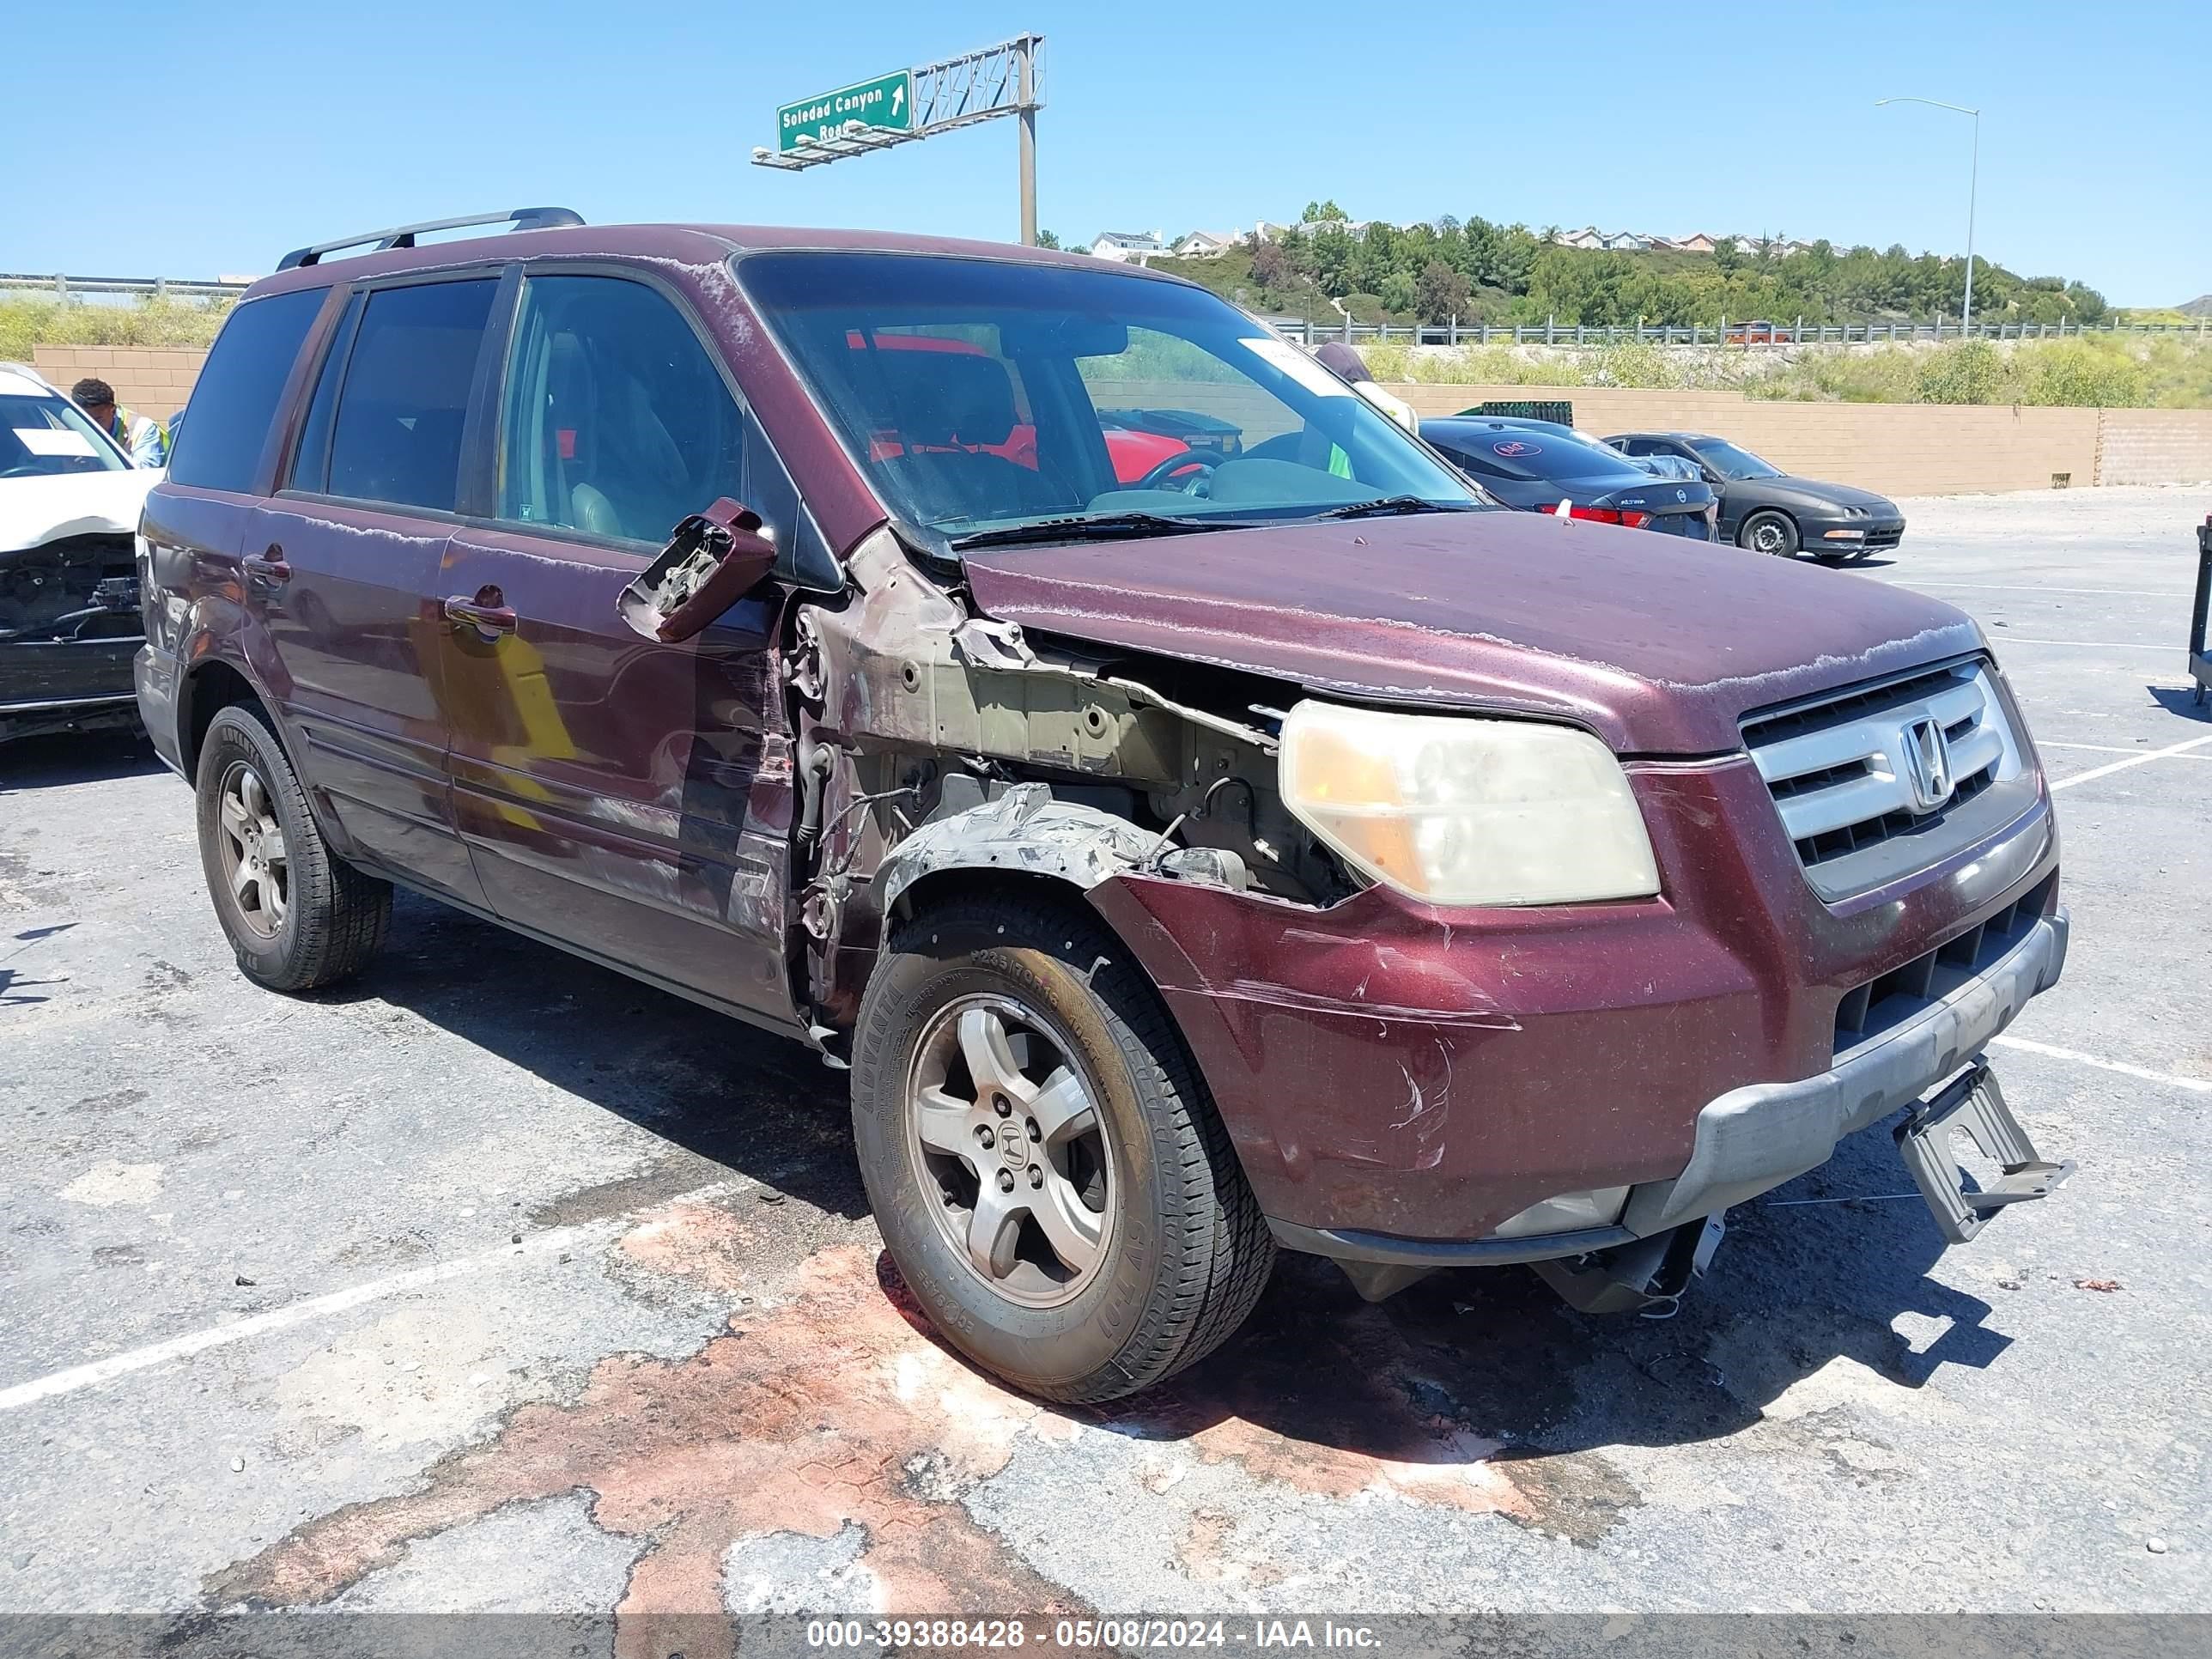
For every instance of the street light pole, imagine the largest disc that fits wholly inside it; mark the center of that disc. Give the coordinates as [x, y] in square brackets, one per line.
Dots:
[1973, 186]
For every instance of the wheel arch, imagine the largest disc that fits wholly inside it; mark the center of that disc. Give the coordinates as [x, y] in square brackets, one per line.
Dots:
[1023, 834]
[204, 691]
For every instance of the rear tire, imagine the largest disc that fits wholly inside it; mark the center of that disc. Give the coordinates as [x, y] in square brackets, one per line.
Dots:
[1771, 533]
[297, 915]
[1168, 1252]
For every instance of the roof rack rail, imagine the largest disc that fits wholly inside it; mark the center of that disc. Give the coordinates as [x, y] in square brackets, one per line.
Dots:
[537, 218]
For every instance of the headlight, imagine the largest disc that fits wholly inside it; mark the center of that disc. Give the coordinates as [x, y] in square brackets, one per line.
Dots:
[1466, 810]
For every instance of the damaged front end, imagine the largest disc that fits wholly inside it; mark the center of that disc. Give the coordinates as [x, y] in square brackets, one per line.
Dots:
[933, 742]
[1578, 1082]
[69, 629]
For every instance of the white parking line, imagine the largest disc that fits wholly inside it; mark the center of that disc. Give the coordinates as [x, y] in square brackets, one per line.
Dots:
[315, 1307]
[2111, 749]
[2132, 760]
[2010, 638]
[2203, 1085]
[2030, 593]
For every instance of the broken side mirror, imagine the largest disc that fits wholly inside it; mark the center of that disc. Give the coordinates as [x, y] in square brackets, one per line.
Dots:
[713, 560]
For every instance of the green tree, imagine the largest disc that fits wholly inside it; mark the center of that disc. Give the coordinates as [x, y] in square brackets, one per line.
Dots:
[1046, 239]
[1320, 212]
[1398, 294]
[1330, 248]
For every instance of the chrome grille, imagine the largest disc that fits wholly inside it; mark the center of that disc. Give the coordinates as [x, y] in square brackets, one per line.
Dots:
[1845, 777]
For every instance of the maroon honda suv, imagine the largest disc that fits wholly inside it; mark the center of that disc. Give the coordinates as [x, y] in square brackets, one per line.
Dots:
[1282, 848]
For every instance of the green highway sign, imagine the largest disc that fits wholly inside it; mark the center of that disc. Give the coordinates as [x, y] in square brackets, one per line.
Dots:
[887, 101]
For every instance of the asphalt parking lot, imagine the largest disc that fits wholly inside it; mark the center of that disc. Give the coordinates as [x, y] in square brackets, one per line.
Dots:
[495, 1281]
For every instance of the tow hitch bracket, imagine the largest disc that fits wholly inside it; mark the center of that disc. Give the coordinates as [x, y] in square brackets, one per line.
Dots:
[1974, 1105]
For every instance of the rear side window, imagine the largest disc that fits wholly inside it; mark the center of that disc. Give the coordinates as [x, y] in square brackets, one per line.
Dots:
[617, 422]
[397, 435]
[235, 398]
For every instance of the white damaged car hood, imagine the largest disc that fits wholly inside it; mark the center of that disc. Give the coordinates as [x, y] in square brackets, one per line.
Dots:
[35, 511]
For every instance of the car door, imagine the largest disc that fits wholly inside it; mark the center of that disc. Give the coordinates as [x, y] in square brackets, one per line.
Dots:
[627, 798]
[342, 563]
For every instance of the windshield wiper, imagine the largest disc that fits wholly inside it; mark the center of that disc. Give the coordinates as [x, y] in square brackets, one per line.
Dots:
[1382, 506]
[1104, 527]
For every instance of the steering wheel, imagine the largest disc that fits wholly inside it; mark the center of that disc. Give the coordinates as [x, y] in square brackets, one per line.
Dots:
[26, 470]
[1157, 477]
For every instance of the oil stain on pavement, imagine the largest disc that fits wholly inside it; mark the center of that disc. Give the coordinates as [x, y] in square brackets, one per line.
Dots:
[833, 1414]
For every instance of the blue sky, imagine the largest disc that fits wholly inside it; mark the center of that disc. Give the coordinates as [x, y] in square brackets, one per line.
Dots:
[282, 123]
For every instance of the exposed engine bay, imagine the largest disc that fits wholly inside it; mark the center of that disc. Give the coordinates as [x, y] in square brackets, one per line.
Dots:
[931, 738]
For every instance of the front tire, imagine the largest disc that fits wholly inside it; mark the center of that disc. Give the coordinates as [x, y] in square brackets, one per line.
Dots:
[1770, 533]
[297, 916]
[1044, 1163]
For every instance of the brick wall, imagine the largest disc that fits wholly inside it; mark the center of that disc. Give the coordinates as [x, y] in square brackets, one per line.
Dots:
[1898, 449]
[151, 379]
[2155, 446]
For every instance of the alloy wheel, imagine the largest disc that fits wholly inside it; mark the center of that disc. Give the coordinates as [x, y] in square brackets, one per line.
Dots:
[1011, 1150]
[254, 866]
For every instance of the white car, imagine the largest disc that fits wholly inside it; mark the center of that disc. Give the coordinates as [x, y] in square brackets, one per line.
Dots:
[69, 501]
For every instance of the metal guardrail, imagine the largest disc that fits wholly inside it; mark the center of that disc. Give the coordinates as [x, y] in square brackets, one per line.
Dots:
[68, 287]
[1308, 330]
[1312, 332]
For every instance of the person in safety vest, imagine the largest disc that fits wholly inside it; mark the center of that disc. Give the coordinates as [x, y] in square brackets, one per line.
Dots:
[144, 439]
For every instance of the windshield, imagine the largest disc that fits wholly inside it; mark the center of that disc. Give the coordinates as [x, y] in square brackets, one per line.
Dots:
[41, 437]
[983, 395]
[1725, 458]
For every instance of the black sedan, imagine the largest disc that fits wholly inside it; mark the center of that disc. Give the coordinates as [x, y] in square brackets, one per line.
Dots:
[1538, 469]
[1770, 511]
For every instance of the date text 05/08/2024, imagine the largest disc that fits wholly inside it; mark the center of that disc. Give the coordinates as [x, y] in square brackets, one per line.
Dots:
[1122, 1635]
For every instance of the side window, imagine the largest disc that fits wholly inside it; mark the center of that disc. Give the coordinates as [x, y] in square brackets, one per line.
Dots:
[397, 435]
[235, 398]
[803, 556]
[1635, 447]
[311, 461]
[617, 422]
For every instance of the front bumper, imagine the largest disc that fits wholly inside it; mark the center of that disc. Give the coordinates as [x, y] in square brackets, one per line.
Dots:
[1751, 1139]
[1842, 535]
[1754, 1139]
[61, 685]
[1401, 1082]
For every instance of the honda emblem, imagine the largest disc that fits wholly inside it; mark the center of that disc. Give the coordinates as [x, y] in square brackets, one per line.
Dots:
[1927, 755]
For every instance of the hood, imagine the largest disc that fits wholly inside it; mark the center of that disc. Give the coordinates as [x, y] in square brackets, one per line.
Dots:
[1657, 644]
[35, 511]
[1834, 495]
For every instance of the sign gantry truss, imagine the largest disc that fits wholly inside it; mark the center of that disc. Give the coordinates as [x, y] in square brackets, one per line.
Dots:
[1008, 79]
